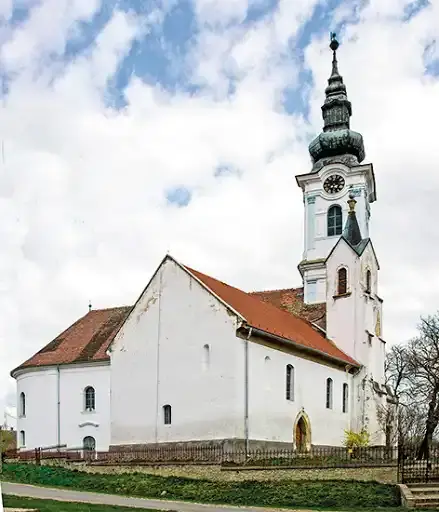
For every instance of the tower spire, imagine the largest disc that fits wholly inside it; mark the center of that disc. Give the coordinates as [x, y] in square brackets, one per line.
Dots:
[334, 47]
[337, 139]
[351, 232]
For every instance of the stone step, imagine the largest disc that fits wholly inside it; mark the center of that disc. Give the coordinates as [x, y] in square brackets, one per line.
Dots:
[432, 485]
[424, 489]
[426, 497]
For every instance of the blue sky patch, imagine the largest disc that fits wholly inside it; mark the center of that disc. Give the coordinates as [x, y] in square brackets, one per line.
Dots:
[178, 196]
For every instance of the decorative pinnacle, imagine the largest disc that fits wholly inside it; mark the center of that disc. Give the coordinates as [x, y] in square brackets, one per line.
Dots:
[352, 202]
[89, 305]
[334, 44]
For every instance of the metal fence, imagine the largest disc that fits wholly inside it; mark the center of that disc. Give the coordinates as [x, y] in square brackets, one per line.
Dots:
[316, 457]
[416, 468]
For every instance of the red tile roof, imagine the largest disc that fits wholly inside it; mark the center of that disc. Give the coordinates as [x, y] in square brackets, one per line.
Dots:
[291, 300]
[271, 319]
[84, 341]
[275, 312]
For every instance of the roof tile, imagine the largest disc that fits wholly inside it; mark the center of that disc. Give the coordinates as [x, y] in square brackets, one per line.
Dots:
[84, 341]
[291, 300]
[276, 312]
[271, 319]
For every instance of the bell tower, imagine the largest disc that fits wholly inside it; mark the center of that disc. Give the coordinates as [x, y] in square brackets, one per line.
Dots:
[336, 174]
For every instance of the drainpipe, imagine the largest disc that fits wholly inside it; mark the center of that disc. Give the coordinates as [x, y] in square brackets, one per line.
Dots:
[58, 407]
[246, 427]
[157, 384]
[351, 395]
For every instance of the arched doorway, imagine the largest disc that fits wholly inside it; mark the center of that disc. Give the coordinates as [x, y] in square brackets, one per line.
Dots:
[302, 433]
[89, 443]
[89, 447]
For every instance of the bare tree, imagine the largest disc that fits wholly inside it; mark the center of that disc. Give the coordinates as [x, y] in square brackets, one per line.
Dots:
[391, 415]
[411, 424]
[423, 376]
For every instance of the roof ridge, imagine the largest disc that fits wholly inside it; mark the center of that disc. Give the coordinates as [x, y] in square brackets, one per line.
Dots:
[108, 309]
[276, 290]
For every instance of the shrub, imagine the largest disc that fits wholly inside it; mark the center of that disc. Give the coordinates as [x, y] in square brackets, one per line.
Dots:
[356, 439]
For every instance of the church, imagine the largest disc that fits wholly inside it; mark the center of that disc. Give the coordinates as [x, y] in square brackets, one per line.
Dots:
[196, 361]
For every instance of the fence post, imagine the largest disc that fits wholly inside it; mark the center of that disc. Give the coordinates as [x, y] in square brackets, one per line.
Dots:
[38, 456]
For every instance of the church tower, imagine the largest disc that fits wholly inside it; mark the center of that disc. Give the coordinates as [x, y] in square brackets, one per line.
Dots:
[339, 265]
[337, 171]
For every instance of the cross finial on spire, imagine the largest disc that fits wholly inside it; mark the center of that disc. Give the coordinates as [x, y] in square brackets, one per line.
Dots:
[334, 44]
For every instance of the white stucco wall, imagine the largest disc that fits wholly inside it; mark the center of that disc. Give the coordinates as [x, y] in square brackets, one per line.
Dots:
[41, 421]
[317, 243]
[158, 358]
[272, 416]
[349, 319]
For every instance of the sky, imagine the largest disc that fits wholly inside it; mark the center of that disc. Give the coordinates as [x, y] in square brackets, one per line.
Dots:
[134, 128]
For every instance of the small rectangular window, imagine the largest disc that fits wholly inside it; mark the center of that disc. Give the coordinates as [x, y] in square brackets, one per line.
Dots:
[290, 383]
[22, 438]
[342, 281]
[345, 397]
[329, 393]
[311, 291]
[167, 414]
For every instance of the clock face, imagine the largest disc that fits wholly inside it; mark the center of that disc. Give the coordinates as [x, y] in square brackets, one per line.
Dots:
[334, 184]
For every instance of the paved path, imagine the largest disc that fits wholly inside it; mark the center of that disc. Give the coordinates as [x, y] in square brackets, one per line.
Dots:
[45, 493]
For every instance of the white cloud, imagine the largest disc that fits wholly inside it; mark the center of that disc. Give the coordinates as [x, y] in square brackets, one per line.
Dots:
[45, 31]
[221, 12]
[83, 213]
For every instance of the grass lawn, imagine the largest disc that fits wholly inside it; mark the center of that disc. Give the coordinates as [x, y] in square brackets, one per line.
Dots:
[57, 506]
[305, 494]
[61, 506]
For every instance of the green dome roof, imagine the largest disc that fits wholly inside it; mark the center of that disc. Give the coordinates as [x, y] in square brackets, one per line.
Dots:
[338, 142]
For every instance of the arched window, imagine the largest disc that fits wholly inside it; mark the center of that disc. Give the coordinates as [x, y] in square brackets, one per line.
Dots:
[329, 393]
[90, 399]
[22, 438]
[89, 443]
[206, 356]
[22, 404]
[342, 285]
[167, 414]
[345, 397]
[289, 395]
[368, 281]
[335, 220]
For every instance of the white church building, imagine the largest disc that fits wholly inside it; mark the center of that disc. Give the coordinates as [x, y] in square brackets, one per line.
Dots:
[198, 361]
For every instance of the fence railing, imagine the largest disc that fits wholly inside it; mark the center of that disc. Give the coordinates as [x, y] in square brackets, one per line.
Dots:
[415, 466]
[329, 457]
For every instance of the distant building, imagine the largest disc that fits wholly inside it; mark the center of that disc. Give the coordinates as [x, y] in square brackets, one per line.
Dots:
[198, 361]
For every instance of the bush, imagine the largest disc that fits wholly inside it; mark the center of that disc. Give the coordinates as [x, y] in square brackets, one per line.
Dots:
[356, 439]
[284, 493]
